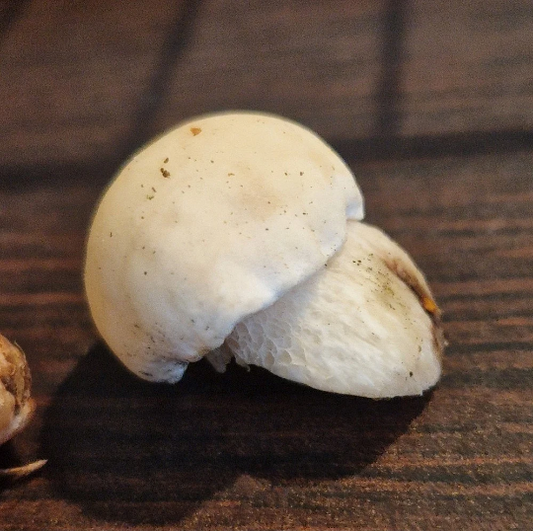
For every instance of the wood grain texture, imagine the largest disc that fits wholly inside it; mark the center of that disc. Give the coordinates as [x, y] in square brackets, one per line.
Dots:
[468, 67]
[249, 451]
[87, 80]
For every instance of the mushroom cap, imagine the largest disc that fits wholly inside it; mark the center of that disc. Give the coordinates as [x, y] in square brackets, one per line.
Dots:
[365, 325]
[210, 223]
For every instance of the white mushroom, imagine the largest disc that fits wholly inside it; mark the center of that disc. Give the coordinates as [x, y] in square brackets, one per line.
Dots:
[212, 222]
[241, 231]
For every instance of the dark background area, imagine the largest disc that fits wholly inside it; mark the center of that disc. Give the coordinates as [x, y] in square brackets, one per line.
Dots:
[431, 104]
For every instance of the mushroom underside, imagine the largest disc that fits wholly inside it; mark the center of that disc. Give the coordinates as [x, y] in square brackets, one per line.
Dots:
[365, 325]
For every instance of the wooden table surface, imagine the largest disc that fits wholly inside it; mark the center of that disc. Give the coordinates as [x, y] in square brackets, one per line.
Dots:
[431, 104]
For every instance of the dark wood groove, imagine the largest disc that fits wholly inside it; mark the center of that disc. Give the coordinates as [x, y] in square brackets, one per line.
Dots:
[460, 144]
[389, 90]
[10, 12]
[507, 346]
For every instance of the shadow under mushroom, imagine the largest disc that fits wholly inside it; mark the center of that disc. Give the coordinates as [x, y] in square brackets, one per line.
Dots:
[119, 447]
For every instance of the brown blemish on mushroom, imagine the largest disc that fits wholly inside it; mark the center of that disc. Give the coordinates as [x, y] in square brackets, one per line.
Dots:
[164, 173]
[429, 305]
[196, 130]
[427, 302]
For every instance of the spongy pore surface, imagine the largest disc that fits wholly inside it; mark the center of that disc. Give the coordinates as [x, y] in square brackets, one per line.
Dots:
[356, 327]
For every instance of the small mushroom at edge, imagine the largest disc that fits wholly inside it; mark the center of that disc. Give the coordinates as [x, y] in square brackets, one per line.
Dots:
[16, 404]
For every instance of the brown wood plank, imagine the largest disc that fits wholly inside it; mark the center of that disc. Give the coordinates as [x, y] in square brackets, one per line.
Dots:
[285, 60]
[93, 80]
[468, 67]
[75, 75]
